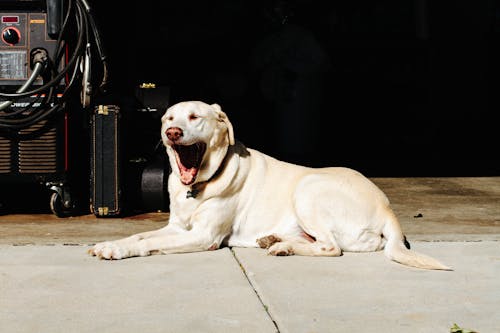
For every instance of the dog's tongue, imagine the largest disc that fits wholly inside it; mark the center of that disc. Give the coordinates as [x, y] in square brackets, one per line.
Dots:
[187, 175]
[188, 160]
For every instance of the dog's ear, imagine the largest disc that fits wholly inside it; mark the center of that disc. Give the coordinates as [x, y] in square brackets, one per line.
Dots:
[223, 117]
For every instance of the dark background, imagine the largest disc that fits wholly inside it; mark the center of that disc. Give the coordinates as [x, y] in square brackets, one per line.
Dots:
[390, 88]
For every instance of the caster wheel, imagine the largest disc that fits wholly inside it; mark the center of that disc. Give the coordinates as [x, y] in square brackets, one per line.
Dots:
[57, 206]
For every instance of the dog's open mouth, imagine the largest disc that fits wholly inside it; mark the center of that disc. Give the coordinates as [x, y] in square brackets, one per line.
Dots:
[189, 158]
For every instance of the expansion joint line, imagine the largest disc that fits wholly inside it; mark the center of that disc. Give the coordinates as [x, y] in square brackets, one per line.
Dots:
[255, 291]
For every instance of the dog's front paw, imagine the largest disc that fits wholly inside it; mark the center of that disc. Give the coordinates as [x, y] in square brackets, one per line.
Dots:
[109, 250]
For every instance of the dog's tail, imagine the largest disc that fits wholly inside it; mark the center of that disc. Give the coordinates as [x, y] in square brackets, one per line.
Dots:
[395, 249]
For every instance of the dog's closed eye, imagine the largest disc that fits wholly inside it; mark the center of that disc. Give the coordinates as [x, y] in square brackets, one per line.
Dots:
[193, 116]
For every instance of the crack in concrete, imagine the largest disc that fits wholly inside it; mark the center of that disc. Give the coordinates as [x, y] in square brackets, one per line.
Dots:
[266, 308]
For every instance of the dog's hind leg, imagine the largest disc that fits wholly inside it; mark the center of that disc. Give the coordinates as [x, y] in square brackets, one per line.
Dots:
[304, 246]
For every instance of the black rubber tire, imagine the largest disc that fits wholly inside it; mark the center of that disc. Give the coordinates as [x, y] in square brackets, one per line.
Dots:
[57, 207]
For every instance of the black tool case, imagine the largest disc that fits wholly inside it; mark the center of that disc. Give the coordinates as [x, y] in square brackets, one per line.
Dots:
[105, 198]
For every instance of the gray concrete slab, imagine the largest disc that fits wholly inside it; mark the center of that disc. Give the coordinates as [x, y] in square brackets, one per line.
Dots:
[62, 289]
[365, 292]
[48, 287]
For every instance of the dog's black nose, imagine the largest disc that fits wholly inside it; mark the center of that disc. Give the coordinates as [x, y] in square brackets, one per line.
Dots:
[174, 133]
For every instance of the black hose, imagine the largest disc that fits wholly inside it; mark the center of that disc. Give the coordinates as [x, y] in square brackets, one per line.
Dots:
[36, 71]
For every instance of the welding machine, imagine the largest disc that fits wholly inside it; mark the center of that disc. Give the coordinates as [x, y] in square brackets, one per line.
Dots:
[51, 64]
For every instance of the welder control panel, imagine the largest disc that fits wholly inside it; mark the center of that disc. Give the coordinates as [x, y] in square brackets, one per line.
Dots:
[19, 34]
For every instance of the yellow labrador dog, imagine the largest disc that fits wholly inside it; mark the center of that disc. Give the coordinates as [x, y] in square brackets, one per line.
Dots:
[222, 193]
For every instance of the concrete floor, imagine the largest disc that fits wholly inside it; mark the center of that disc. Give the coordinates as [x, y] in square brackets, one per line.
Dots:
[428, 209]
[49, 284]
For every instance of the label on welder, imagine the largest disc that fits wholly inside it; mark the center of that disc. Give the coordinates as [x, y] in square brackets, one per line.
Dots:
[13, 65]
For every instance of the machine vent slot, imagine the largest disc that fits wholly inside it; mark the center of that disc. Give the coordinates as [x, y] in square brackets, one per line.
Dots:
[38, 155]
[5, 156]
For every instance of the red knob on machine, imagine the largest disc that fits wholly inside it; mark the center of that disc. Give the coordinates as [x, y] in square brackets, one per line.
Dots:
[11, 35]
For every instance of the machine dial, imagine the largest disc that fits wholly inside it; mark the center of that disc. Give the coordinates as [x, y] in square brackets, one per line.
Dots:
[11, 36]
